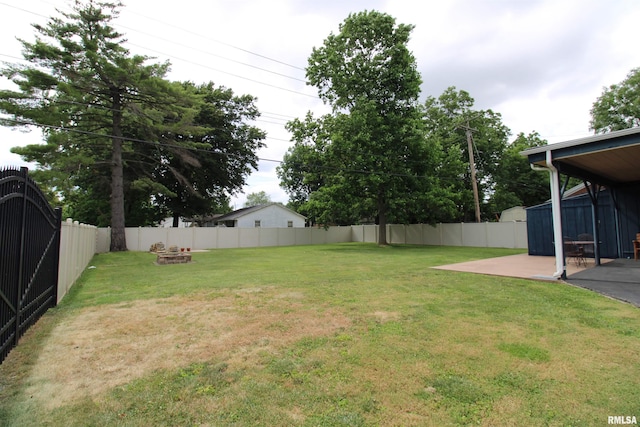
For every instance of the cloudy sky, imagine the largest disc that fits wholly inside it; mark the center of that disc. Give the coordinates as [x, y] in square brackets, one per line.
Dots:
[540, 63]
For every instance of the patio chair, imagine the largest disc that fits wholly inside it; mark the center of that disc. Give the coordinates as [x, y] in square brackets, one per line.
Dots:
[636, 247]
[587, 249]
[571, 250]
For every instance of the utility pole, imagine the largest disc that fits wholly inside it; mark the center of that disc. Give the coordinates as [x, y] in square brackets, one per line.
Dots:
[472, 165]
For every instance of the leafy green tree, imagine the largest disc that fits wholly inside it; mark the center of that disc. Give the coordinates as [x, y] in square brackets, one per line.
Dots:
[303, 170]
[619, 105]
[447, 119]
[255, 199]
[222, 167]
[516, 184]
[371, 159]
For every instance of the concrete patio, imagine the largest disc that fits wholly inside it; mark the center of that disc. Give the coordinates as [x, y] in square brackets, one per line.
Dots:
[619, 279]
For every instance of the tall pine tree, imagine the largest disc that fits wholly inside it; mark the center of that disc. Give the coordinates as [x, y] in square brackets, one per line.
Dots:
[94, 100]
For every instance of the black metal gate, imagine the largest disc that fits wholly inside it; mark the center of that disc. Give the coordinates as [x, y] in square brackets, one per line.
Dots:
[29, 255]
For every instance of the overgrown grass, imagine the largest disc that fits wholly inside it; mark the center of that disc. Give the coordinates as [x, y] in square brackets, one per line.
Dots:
[425, 347]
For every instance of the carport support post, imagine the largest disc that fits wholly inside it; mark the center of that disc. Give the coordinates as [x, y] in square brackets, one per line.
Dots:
[556, 212]
[596, 220]
[594, 192]
[596, 233]
[616, 217]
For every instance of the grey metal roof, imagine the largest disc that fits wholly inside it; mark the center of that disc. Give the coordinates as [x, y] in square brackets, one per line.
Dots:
[611, 158]
[581, 141]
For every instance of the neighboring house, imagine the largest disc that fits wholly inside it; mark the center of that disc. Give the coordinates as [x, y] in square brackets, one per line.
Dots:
[205, 220]
[272, 215]
[168, 223]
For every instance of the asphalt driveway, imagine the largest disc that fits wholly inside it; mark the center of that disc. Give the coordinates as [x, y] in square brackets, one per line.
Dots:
[619, 279]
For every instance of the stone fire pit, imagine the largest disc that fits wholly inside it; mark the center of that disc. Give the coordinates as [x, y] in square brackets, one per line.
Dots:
[172, 256]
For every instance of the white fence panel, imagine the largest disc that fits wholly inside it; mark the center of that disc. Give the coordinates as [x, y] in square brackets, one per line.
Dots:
[104, 240]
[180, 237]
[286, 236]
[145, 237]
[248, 237]
[432, 235]
[521, 240]
[370, 233]
[77, 247]
[474, 234]
[205, 237]
[414, 234]
[339, 235]
[268, 237]
[228, 238]
[357, 233]
[451, 234]
[303, 236]
[396, 234]
[502, 235]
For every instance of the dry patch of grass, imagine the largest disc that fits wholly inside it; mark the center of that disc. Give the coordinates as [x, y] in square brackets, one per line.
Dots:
[99, 348]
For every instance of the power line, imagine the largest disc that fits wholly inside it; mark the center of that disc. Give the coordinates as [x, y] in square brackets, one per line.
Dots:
[267, 121]
[176, 27]
[208, 67]
[24, 10]
[277, 114]
[209, 53]
[13, 57]
[226, 72]
[221, 42]
[202, 65]
[278, 139]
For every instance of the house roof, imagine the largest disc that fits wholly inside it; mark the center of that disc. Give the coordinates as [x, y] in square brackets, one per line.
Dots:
[232, 216]
[610, 159]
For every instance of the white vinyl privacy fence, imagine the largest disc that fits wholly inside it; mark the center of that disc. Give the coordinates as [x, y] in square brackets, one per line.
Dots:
[484, 235]
[141, 239]
[77, 247]
[488, 234]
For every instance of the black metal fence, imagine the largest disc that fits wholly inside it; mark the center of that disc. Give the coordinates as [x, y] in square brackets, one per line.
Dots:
[29, 256]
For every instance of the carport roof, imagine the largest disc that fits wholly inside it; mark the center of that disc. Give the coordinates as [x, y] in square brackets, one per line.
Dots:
[611, 159]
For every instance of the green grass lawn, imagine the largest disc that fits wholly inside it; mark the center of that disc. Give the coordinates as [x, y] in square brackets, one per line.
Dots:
[420, 347]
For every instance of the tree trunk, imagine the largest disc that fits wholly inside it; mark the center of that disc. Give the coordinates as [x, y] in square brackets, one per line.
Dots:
[176, 220]
[118, 239]
[382, 221]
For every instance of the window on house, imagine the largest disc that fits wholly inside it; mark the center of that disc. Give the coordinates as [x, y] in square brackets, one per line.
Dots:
[289, 224]
[257, 223]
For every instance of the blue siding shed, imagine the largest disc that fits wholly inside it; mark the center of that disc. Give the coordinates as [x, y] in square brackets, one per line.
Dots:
[577, 218]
